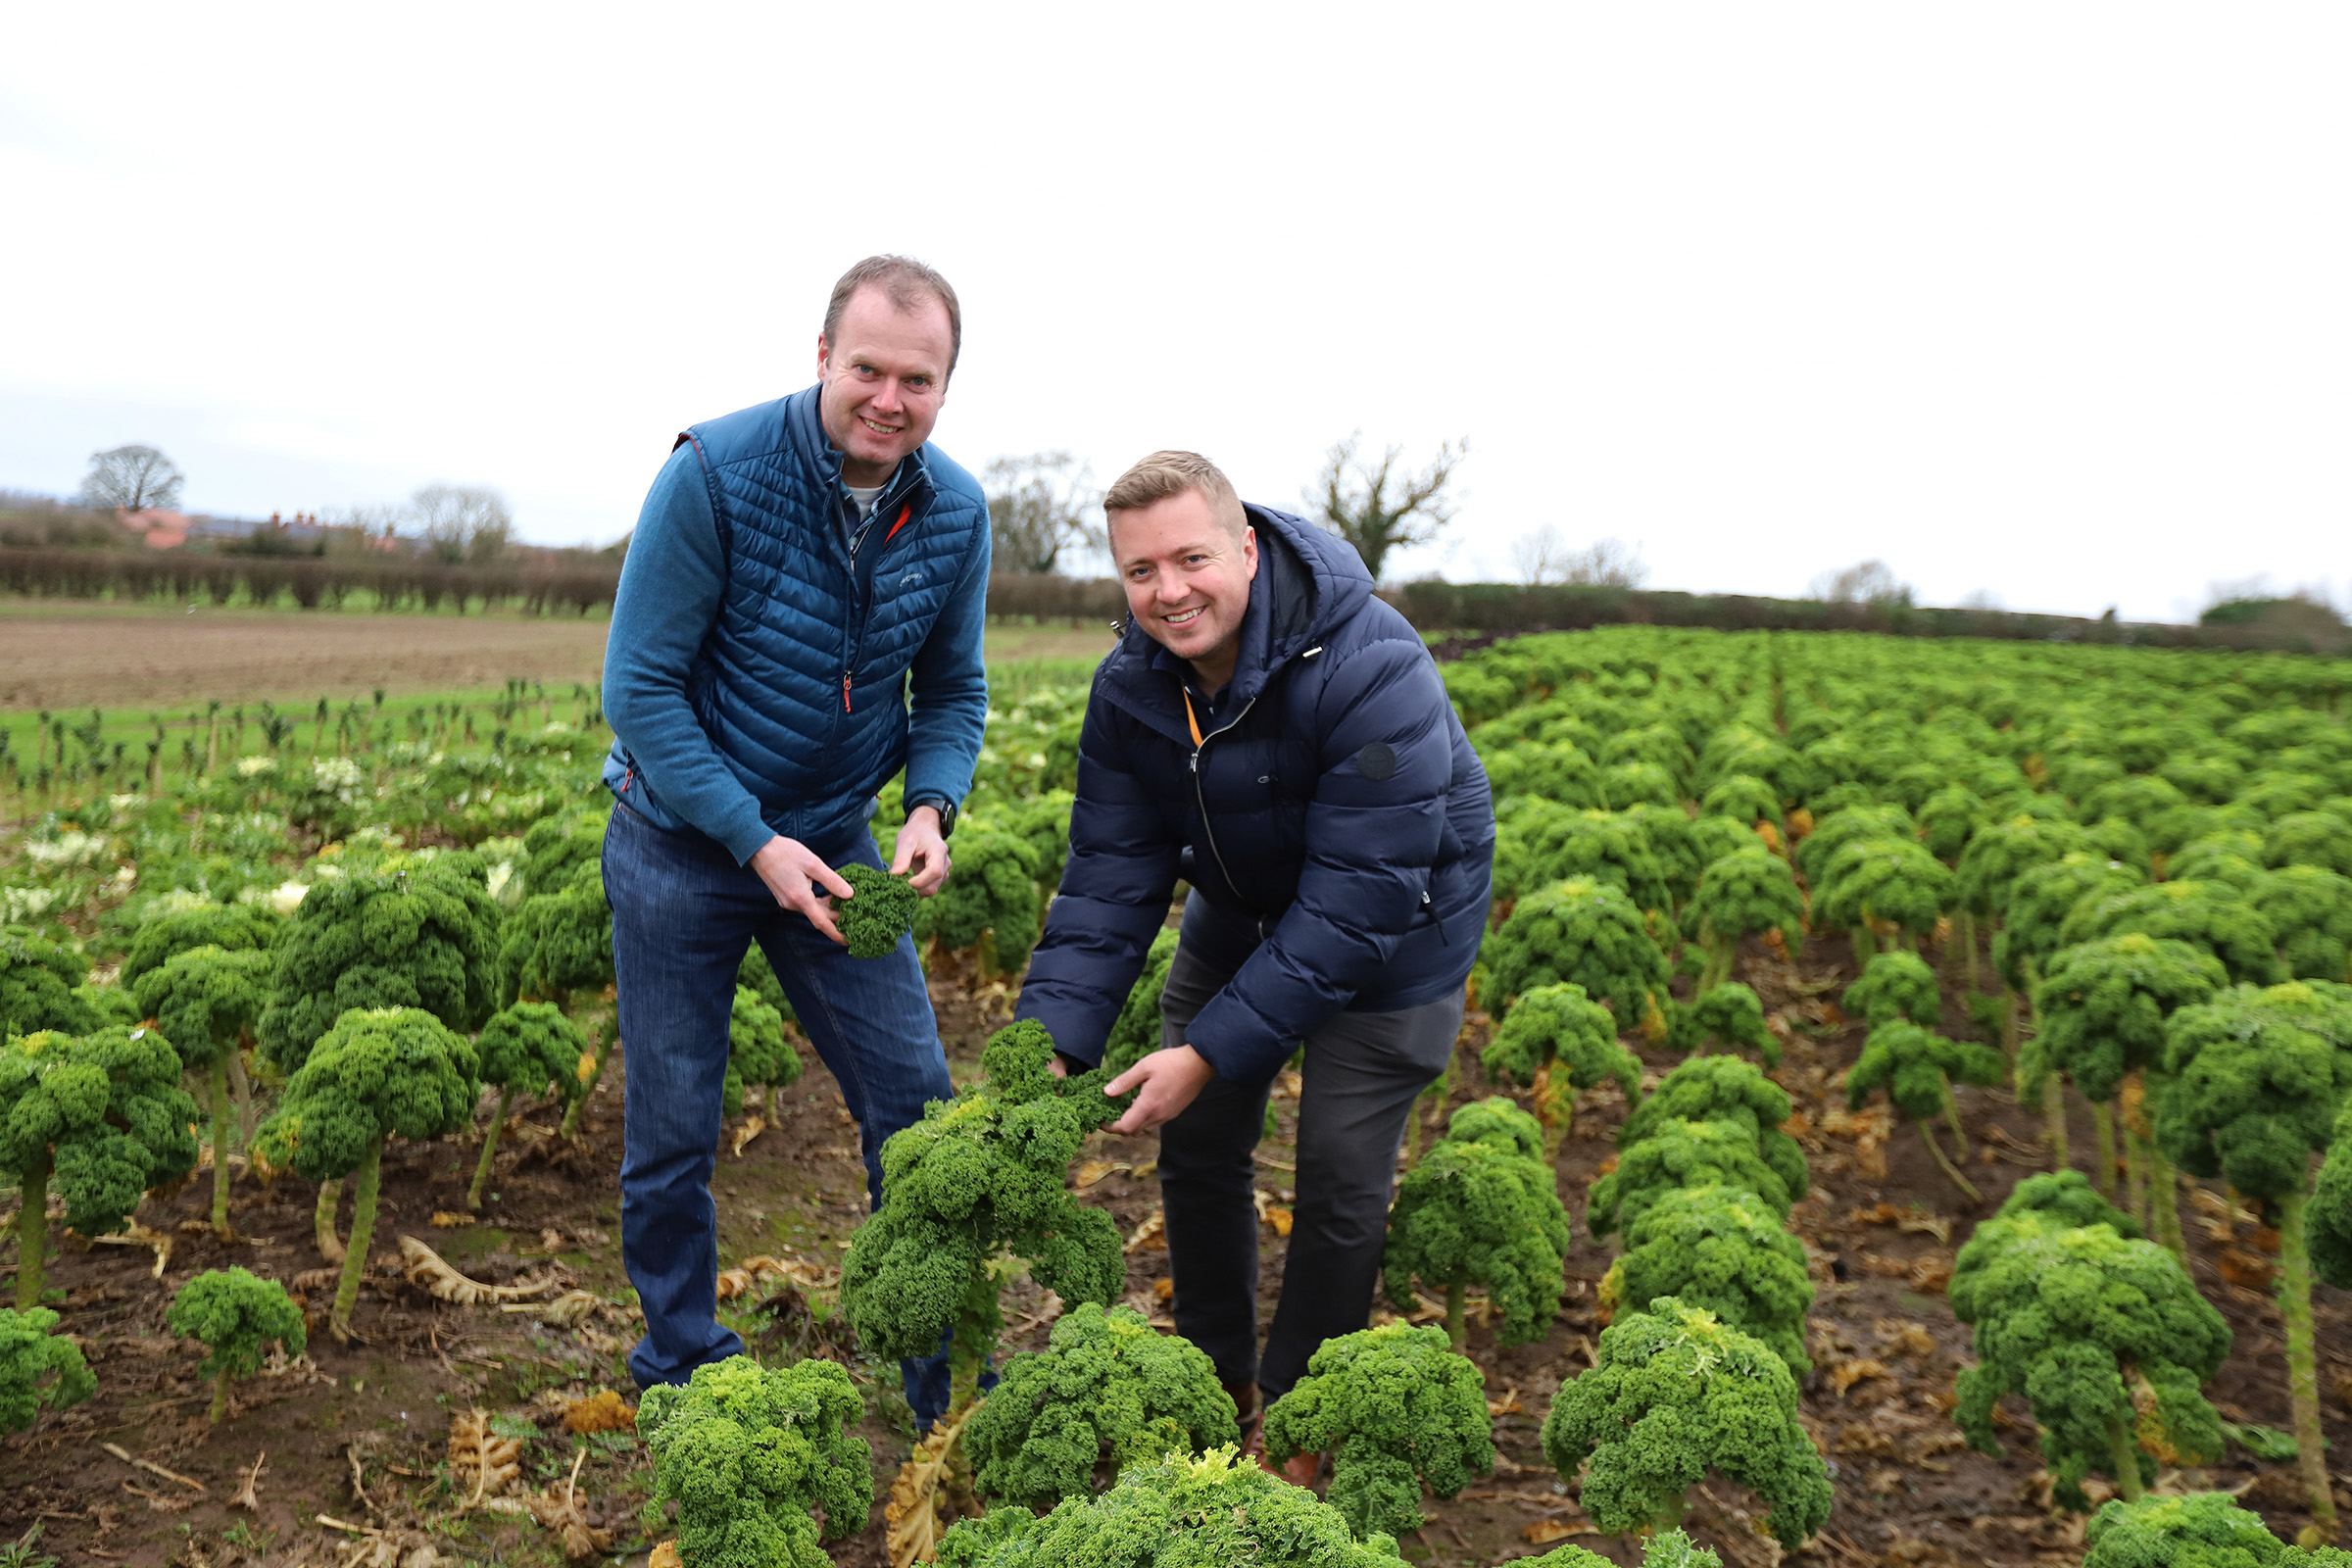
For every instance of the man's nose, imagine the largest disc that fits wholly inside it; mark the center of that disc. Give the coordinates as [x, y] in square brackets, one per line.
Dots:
[888, 400]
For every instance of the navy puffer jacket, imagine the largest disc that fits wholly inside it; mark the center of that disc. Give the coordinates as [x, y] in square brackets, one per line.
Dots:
[1334, 819]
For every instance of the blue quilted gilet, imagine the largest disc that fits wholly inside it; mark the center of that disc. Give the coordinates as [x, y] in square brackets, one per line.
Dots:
[801, 683]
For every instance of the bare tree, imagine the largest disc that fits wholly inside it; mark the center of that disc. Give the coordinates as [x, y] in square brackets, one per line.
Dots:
[463, 522]
[1606, 563]
[1378, 509]
[1866, 582]
[1539, 556]
[1038, 507]
[133, 479]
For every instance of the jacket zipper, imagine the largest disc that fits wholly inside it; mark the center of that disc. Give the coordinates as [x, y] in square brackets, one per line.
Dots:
[865, 606]
[1201, 795]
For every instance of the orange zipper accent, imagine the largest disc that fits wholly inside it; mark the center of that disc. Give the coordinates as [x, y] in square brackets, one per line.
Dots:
[1191, 720]
[845, 691]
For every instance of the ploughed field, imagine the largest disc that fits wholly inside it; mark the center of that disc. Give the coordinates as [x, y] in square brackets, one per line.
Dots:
[1916, 801]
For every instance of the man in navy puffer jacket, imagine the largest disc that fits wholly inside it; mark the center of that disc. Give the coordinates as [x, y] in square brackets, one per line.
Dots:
[798, 617]
[1274, 735]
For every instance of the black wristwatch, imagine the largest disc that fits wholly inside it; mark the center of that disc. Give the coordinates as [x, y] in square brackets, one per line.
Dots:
[941, 803]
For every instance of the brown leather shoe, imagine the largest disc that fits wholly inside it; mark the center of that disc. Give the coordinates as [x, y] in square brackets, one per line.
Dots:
[1300, 1469]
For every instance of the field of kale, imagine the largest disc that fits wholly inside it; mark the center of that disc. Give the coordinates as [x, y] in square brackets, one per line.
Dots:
[1812, 957]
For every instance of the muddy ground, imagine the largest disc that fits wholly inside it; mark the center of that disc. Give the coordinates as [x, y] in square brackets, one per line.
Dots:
[360, 1434]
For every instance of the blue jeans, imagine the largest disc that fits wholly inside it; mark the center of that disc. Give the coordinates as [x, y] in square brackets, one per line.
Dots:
[683, 915]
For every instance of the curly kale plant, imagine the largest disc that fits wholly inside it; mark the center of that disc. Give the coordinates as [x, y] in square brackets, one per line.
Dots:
[1739, 894]
[2108, 1340]
[1557, 1040]
[2053, 1201]
[2327, 1221]
[1915, 1067]
[1723, 1089]
[1481, 1209]
[1393, 1407]
[1135, 1033]
[530, 1049]
[236, 1316]
[757, 1053]
[748, 1453]
[1725, 1250]
[38, 1370]
[103, 1114]
[1730, 1014]
[991, 905]
[2258, 1077]
[2191, 1530]
[1889, 884]
[38, 978]
[1743, 796]
[235, 928]
[1673, 1394]
[375, 1074]
[557, 945]
[1580, 932]
[874, 921]
[1895, 987]
[2000, 852]
[982, 1174]
[1211, 1511]
[1107, 1388]
[2102, 1006]
[423, 938]
[1668, 1548]
[1675, 1154]
[2311, 909]
[2310, 838]
[2207, 913]
[204, 1000]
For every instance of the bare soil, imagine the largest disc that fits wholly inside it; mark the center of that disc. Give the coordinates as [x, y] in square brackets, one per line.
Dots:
[362, 1438]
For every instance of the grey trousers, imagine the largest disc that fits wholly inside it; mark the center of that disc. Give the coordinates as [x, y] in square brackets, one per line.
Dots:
[1361, 1073]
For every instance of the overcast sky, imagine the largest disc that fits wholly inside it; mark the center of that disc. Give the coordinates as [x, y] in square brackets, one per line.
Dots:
[2050, 301]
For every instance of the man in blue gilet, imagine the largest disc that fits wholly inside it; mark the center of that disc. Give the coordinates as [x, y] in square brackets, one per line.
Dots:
[799, 617]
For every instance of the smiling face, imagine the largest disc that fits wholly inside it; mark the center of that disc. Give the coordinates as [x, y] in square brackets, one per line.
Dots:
[1186, 577]
[885, 376]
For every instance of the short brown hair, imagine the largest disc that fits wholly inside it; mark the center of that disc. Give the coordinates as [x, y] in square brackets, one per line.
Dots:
[1165, 474]
[905, 283]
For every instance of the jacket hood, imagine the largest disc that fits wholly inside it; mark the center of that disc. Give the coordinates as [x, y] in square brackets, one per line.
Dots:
[1309, 581]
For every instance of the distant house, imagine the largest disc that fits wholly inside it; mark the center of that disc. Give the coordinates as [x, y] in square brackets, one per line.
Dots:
[161, 529]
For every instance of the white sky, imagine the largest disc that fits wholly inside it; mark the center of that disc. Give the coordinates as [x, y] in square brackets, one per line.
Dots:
[2049, 300]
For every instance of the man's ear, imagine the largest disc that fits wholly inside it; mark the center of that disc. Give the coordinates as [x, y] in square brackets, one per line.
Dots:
[1250, 550]
[823, 352]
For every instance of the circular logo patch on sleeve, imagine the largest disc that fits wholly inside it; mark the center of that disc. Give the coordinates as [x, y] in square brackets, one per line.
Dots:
[1378, 762]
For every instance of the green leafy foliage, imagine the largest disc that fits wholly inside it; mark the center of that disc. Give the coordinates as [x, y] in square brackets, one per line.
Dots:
[531, 1049]
[2040, 900]
[1723, 1089]
[104, 1111]
[1896, 986]
[2049, 1201]
[1726, 1250]
[1948, 818]
[556, 944]
[1394, 1407]
[1677, 1155]
[2310, 910]
[235, 928]
[2194, 1529]
[1743, 796]
[1582, 932]
[425, 938]
[38, 981]
[1673, 1394]
[2258, 1078]
[2327, 1221]
[1483, 1209]
[236, 1316]
[1916, 1068]
[1211, 1511]
[1838, 829]
[1668, 1548]
[2103, 1004]
[38, 1370]
[1134, 1034]
[2207, 913]
[981, 1173]
[748, 1453]
[882, 912]
[1728, 1014]
[1108, 1388]
[203, 997]
[376, 1073]
[757, 1053]
[2000, 852]
[993, 894]
[1560, 1027]
[2310, 838]
[2076, 1320]
[1893, 880]
[1744, 893]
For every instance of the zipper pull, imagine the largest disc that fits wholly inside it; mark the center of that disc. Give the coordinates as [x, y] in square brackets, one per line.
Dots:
[1196, 762]
[845, 691]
